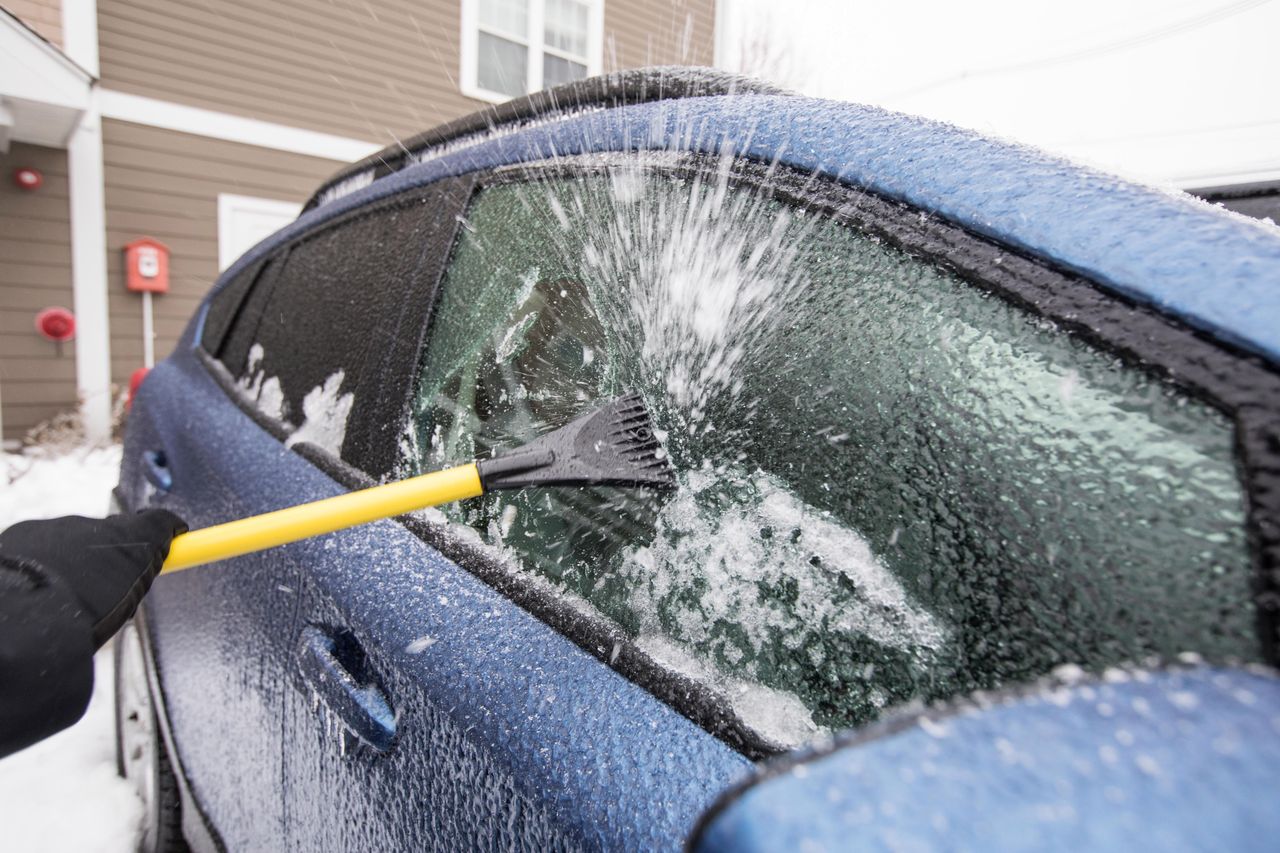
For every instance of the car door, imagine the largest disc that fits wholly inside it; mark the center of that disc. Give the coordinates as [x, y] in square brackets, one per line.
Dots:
[424, 708]
[219, 632]
[216, 435]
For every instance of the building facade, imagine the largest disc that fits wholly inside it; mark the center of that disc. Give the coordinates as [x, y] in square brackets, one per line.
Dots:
[206, 125]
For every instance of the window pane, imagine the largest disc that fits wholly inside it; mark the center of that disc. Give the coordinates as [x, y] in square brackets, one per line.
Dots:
[503, 66]
[892, 484]
[311, 362]
[506, 16]
[556, 71]
[565, 26]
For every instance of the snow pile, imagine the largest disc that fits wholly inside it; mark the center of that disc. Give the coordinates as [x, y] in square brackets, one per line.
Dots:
[39, 485]
[63, 793]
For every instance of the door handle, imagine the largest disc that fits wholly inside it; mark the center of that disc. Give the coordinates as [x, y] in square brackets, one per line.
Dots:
[155, 467]
[331, 666]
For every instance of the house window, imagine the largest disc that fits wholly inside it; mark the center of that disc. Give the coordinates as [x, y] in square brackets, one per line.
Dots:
[513, 47]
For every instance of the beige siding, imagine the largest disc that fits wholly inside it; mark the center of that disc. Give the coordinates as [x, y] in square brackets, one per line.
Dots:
[654, 32]
[43, 16]
[368, 70]
[36, 380]
[165, 185]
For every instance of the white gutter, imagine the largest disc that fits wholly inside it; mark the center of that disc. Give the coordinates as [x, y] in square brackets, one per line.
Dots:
[88, 231]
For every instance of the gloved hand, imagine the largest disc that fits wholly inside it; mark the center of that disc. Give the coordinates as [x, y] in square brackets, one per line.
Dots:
[108, 564]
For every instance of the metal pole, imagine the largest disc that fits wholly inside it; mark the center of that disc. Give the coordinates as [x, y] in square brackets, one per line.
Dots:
[148, 333]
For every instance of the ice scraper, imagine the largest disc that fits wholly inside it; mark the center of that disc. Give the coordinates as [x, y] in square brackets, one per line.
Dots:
[612, 446]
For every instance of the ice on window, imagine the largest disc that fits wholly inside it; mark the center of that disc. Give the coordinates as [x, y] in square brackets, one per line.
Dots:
[893, 486]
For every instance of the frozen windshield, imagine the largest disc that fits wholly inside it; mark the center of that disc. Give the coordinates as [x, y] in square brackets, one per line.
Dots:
[892, 484]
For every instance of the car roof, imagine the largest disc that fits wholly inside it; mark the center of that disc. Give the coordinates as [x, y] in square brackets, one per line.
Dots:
[605, 91]
[1217, 271]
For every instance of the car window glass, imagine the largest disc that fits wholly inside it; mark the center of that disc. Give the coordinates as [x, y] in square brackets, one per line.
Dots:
[224, 305]
[237, 310]
[893, 485]
[325, 341]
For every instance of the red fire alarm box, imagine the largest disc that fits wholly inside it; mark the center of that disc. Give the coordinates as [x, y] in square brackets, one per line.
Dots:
[146, 266]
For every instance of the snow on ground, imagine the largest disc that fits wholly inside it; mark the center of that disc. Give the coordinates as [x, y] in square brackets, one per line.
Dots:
[63, 793]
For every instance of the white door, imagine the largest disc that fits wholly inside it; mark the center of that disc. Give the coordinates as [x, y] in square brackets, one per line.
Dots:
[244, 221]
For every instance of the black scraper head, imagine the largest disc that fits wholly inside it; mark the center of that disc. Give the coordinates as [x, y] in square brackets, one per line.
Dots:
[612, 446]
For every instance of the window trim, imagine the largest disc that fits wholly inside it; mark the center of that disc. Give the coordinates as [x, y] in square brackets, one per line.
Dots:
[533, 40]
[1237, 383]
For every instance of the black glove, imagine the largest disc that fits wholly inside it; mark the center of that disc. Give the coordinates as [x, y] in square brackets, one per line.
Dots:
[108, 564]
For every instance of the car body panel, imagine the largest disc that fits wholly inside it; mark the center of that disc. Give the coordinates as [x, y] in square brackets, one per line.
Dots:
[1179, 759]
[506, 730]
[228, 655]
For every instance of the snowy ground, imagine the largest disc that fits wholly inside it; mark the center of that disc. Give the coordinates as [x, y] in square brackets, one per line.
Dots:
[63, 793]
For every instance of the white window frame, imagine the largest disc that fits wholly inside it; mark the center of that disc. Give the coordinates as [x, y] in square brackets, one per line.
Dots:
[229, 205]
[534, 39]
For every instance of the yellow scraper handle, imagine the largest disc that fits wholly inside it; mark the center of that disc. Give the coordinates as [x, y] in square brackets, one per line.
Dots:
[324, 516]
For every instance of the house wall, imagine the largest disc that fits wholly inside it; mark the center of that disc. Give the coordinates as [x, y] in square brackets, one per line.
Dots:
[36, 379]
[671, 32]
[163, 184]
[372, 71]
[43, 16]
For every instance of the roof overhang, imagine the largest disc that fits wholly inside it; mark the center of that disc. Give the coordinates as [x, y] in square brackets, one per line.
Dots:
[42, 92]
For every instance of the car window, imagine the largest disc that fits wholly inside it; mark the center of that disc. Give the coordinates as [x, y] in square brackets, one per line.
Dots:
[892, 484]
[323, 341]
[231, 325]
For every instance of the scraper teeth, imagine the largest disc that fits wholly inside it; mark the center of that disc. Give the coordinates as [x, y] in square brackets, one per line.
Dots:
[634, 439]
[616, 446]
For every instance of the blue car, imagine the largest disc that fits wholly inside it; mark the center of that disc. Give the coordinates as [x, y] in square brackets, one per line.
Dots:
[976, 542]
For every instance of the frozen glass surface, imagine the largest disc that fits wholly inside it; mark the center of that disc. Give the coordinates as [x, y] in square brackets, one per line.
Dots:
[892, 484]
[506, 16]
[556, 71]
[565, 26]
[503, 65]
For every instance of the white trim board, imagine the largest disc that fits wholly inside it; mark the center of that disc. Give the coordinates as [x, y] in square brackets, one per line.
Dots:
[231, 128]
[87, 207]
[80, 34]
[42, 92]
[89, 274]
[14, 28]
